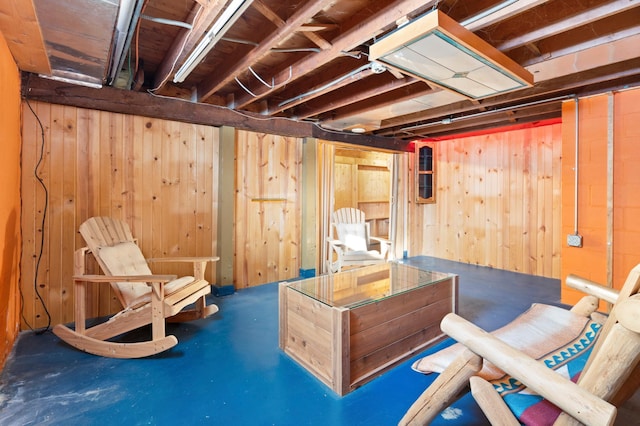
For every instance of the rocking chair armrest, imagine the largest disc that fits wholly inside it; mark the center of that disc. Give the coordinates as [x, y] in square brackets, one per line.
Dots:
[592, 288]
[184, 259]
[125, 278]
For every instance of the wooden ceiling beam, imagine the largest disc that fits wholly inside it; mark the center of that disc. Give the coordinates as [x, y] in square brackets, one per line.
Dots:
[315, 92]
[558, 49]
[590, 58]
[575, 21]
[504, 13]
[317, 27]
[343, 43]
[503, 118]
[320, 77]
[147, 105]
[380, 100]
[201, 17]
[328, 103]
[279, 22]
[317, 40]
[599, 79]
[207, 88]
[21, 29]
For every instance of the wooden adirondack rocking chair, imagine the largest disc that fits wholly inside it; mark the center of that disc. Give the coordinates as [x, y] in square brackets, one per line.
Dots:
[146, 298]
[527, 389]
[354, 245]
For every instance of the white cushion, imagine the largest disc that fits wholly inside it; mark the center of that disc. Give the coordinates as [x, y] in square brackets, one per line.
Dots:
[169, 288]
[353, 235]
[127, 259]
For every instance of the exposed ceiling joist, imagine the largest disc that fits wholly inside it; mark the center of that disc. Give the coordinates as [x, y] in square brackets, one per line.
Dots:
[307, 61]
[344, 43]
[208, 87]
[570, 23]
[20, 27]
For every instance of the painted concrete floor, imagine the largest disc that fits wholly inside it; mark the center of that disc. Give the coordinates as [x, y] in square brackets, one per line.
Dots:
[228, 369]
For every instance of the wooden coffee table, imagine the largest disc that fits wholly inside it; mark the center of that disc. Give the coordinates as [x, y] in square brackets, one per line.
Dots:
[347, 328]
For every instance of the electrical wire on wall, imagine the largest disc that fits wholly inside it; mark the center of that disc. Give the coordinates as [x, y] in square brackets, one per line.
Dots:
[44, 216]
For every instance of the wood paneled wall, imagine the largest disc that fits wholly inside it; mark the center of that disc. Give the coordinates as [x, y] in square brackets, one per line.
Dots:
[498, 202]
[157, 175]
[268, 208]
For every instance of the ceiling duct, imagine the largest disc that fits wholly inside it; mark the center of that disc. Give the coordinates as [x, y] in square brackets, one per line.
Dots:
[437, 49]
[128, 15]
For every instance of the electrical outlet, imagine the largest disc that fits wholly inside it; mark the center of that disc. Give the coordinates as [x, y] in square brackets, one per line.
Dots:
[574, 240]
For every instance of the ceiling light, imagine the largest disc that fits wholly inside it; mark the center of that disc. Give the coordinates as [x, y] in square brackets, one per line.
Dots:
[358, 130]
[436, 48]
[230, 15]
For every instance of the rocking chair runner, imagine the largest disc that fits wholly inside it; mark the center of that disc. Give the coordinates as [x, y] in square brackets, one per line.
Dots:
[146, 298]
[355, 246]
[611, 374]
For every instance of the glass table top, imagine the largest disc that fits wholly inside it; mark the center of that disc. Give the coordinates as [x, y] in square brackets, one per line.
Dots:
[369, 284]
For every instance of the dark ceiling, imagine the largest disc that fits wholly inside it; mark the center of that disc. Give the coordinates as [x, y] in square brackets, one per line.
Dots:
[308, 59]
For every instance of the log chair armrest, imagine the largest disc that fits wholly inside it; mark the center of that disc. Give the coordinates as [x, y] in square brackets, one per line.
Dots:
[491, 403]
[125, 278]
[448, 387]
[568, 396]
[592, 288]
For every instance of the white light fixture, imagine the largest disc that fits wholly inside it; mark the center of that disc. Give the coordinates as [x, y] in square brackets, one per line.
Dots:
[437, 49]
[230, 15]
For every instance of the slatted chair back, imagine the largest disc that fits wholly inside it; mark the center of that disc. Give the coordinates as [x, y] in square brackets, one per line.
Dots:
[348, 215]
[352, 229]
[114, 248]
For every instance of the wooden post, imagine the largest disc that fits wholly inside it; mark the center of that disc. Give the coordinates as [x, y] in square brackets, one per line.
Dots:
[283, 311]
[309, 197]
[341, 368]
[226, 207]
[80, 291]
[157, 310]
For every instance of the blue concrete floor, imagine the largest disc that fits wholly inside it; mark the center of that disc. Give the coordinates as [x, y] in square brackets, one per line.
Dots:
[228, 369]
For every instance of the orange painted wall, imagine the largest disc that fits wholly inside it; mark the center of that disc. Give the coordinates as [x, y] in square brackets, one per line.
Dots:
[10, 238]
[593, 260]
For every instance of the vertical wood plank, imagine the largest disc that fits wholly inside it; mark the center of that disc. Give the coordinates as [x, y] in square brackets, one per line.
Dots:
[100, 163]
[268, 208]
[30, 245]
[498, 202]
